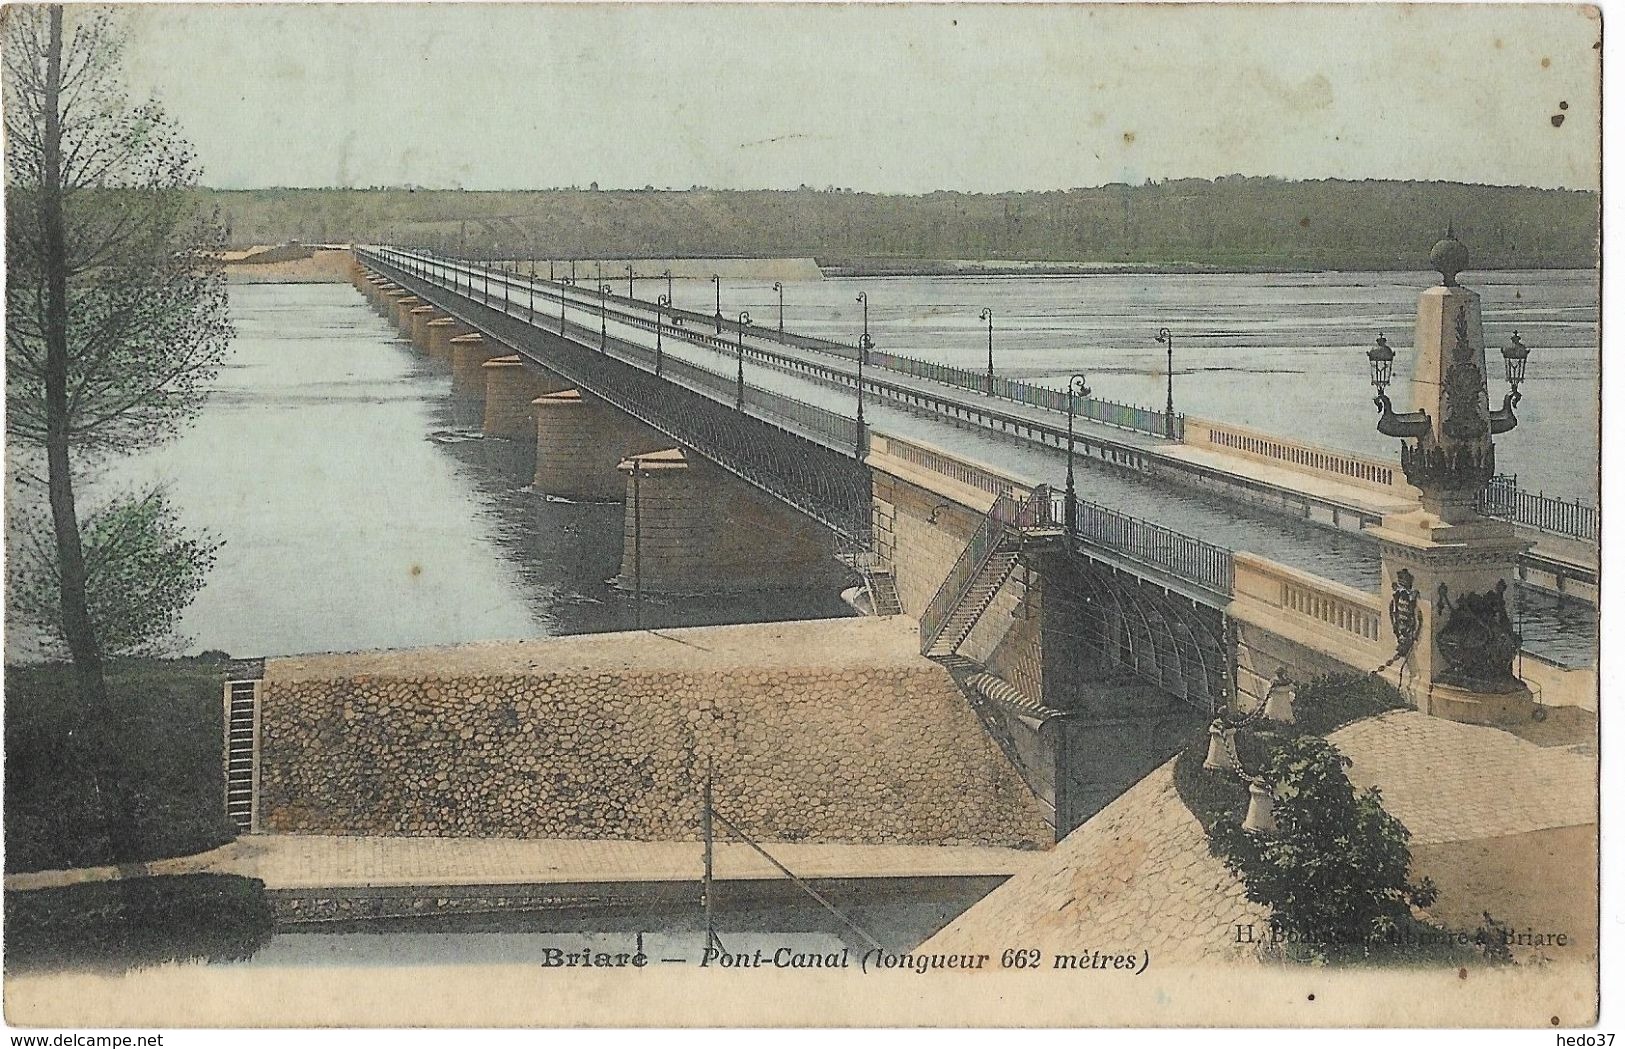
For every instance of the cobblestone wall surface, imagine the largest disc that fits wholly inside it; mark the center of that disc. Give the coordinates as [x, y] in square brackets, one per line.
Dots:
[853, 754]
[1136, 877]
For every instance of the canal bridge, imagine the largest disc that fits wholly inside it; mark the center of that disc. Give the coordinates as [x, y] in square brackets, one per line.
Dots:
[1197, 557]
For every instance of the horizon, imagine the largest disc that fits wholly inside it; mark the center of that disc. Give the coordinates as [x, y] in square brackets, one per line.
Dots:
[411, 188]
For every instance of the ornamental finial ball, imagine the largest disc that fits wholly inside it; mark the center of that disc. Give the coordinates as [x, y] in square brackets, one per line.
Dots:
[1449, 257]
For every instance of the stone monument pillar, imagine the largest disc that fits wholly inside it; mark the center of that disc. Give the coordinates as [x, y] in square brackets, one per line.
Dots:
[1446, 568]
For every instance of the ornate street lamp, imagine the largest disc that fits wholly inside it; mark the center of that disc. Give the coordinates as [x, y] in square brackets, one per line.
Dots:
[739, 394]
[667, 275]
[1077, 386]
[603, 318]
[629, 281]
[662, 302]
[1392, 423]
[1166, 336]
[717, 280]
[987, 315]
[778, 286]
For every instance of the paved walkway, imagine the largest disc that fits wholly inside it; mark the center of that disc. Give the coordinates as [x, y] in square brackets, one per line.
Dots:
[1451, 782]
[298, 861]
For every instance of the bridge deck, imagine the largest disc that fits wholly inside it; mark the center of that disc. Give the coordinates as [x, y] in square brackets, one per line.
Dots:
[1555, 629]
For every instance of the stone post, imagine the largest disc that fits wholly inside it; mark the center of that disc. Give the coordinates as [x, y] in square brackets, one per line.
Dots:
[418, 321]
[1446, 569]
[440, 332]
[403, 313]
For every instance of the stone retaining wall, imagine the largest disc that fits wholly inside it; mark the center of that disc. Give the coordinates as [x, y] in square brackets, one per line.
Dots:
[890, 753]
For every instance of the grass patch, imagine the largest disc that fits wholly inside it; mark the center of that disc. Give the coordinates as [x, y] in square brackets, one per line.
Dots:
[116, 926]
[1335, 874]
[80, 792]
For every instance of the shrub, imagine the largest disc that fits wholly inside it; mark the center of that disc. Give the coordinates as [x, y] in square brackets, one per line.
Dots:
[1336, 870]
[1335, 874]
[71, 778]
[137, 922]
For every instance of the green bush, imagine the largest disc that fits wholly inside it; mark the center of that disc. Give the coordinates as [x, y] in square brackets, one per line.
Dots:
[137, 922]
[1335, 874]
[82, 792]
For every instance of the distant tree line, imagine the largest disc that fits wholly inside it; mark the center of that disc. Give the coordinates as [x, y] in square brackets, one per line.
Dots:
[1229, 222]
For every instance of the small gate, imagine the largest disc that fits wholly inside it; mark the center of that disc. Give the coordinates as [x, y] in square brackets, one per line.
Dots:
[242, 754]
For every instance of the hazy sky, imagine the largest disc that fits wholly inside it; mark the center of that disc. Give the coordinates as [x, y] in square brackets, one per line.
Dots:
[898, 98]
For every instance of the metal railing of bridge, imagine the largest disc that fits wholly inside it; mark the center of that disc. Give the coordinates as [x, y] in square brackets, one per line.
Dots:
[1182, 556]
[777, 459]
[811, 420]
[1566, 517]
[1009, 513]
[1111, 413]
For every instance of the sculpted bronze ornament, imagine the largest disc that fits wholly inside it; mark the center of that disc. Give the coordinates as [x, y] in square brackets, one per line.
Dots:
[1404, 613]
[1478, 641]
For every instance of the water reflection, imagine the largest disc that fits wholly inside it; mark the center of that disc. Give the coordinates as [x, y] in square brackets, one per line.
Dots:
[360, 508]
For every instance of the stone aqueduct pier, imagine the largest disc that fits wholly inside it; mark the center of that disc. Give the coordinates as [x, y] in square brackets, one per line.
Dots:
[1080, 668]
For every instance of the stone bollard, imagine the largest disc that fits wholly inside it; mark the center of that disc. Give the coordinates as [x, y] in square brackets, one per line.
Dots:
[1221, 743]
[1260, 808]
[1278, 702]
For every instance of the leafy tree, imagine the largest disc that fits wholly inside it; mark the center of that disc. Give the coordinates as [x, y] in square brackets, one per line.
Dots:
[1336, 872]
[116, 310]
[142, 569]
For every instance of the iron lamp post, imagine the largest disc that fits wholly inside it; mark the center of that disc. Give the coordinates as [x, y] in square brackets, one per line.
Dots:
[778, 286]
[603, 318]
[662, 302]
[629, 276]
[739, 389]
[1077, 386]
[717, 280]
[564, 282]
[865, 344]
[987, 315]
[1167, 337]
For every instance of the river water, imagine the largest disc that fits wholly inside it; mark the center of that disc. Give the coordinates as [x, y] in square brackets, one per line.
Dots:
[357, 512]
[1282, 352]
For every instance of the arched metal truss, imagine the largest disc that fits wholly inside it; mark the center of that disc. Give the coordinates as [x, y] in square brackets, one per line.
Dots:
[1166, 639]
